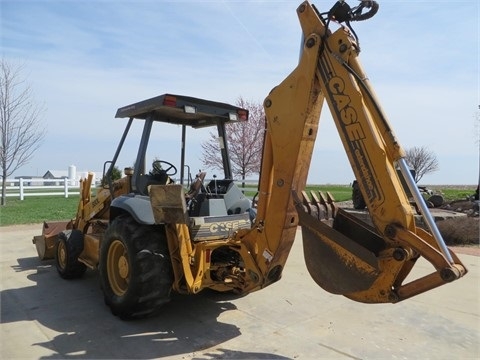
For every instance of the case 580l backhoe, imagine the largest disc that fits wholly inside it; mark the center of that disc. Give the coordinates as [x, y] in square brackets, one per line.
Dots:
[148, 236]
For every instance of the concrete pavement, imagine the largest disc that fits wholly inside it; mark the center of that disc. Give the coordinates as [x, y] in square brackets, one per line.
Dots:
[46, 317]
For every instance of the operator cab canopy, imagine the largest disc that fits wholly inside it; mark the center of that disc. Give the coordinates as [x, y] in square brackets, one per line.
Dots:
[185, 111]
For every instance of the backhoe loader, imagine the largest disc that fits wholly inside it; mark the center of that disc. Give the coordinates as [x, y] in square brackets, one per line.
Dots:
[149, 236]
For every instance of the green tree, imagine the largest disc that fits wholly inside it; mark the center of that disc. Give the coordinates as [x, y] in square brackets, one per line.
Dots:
[116, 174]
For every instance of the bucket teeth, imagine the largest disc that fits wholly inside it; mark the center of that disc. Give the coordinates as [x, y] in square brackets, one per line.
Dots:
[307, 205]
[319, 205]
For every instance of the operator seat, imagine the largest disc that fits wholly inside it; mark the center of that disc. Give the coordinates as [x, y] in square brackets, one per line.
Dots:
[194, 197]
[195, 186]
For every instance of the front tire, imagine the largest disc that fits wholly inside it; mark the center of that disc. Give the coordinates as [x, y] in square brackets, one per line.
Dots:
[135, 269]
[69, 247]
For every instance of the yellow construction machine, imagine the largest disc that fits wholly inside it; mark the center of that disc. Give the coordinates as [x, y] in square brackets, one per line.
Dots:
[149, 236]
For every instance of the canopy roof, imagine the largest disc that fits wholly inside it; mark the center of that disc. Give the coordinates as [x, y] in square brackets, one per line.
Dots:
[183, 110]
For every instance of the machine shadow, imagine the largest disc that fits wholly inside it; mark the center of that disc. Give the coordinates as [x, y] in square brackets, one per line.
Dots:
[79, 325]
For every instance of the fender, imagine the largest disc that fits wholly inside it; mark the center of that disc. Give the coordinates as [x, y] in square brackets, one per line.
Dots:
[138, 206]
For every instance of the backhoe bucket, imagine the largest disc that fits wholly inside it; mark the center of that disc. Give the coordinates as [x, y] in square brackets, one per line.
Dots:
[337, 263]
[45, 243]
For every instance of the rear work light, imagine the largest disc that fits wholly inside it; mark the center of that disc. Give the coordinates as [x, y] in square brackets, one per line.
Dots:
[170, 100]
[189, 109]
[242, 115]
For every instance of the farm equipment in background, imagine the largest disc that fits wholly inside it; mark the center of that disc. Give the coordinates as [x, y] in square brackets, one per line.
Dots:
[432, 200]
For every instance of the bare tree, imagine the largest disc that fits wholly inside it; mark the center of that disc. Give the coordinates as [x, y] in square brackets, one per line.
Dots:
[477, 142]
[422, 161]
[245, 142]
[21, 133]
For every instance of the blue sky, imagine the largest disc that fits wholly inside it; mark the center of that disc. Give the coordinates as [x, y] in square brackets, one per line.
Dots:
[84, 59]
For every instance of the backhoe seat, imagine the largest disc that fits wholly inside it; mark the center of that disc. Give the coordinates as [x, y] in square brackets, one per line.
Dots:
[196, 186]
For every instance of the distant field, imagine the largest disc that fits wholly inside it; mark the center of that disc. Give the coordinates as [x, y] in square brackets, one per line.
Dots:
[339, 192]
[454, 192]
[34, 210]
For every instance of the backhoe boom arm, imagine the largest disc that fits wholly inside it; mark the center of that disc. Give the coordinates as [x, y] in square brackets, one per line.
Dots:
[370, 267]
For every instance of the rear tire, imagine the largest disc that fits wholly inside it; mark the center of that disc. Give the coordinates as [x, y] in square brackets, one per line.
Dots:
[357, 197]
[135, 269]
[68, 248]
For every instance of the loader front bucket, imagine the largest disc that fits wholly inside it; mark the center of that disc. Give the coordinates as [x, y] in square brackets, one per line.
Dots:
[45, 243]
[335, 262]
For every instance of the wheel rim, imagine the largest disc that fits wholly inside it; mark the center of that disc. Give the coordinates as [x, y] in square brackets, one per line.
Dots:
[118, 268]
[62, 255]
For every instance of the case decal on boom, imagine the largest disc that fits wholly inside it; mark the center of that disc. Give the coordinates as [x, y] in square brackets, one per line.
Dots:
[352, 131]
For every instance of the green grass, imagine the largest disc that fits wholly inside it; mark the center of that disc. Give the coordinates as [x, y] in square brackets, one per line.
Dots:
[36, 209]
[455, 194]
[339, 192]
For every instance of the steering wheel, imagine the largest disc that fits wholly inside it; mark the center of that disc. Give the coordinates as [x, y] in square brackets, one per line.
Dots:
[157, 167]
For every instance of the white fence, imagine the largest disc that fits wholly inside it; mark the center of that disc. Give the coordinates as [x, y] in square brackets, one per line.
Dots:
[64, 187]
[41, 187]
[247, 185]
